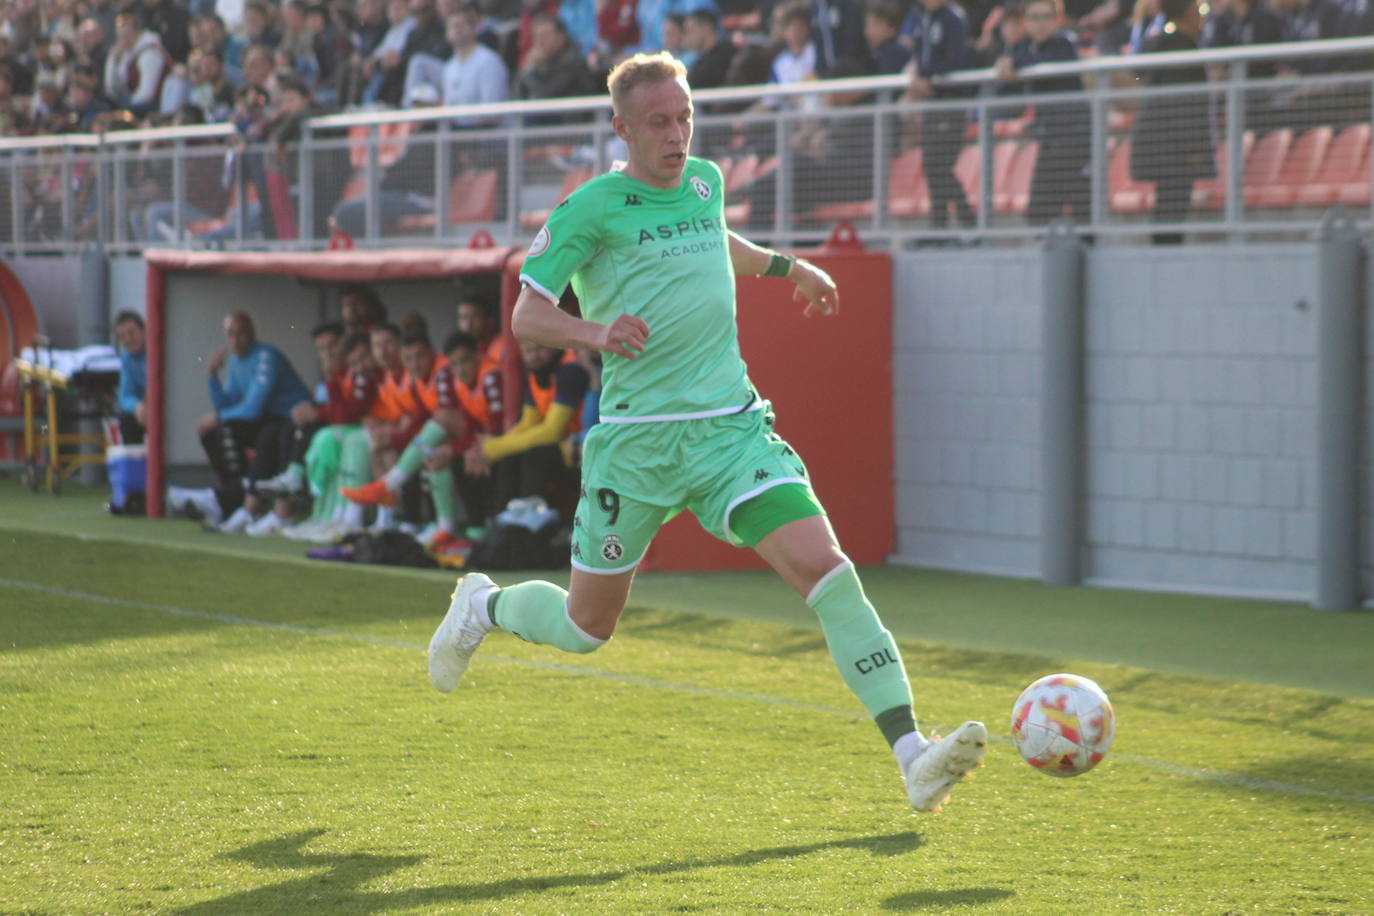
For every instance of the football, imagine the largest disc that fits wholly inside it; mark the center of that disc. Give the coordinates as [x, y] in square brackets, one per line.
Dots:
[1063, 724]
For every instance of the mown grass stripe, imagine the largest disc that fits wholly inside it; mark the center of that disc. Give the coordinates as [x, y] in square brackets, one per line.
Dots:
[1244, 782]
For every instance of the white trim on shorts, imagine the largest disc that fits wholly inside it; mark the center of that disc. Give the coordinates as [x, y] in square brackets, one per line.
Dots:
[607, 572]
[725, 522]
[699, 415]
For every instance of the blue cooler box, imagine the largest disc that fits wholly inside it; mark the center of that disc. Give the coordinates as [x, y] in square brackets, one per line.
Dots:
[127, 468]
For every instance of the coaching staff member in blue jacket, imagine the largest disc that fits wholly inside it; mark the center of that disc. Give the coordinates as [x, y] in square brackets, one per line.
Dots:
[252, 408]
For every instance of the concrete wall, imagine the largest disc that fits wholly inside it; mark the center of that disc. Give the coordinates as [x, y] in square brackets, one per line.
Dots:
[1200, 415]
[54, 286]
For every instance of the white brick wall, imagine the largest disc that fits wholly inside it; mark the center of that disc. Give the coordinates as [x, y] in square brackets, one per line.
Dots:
[966, 378]
[1200, 381]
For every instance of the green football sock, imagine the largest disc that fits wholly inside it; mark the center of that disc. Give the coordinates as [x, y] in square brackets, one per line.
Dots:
[441, 490]
[414, 454]
[863, 650]
[537, 612]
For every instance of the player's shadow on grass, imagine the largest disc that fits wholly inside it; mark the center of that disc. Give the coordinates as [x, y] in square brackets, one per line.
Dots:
[338, 878]
[939, 900]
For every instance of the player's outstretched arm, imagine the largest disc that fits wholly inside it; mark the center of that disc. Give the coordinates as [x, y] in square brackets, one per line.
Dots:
[540, 321]
[813, 284]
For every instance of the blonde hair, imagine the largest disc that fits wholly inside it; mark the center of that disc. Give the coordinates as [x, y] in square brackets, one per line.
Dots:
[641, 70]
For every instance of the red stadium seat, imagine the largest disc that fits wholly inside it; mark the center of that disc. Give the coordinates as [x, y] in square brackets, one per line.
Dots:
[969, 169]
[1262, 164]
[1124, 193]
[1355, 193]
[908, 194]
[1210, 193]
[1013, 194]
[1341, 166]
[572, 180]
[471, 199]
[1299, 167]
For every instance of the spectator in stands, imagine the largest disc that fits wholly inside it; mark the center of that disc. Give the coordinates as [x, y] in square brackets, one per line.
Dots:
[172, 25]
[882, 31]
[136, 66]
[259, 69]
[329, 28]
[1061, 179]
[617, 31]
[297, 48]
[527, 460]
[103, 12]
[939, 38]
[371, 26]
[653, 16]
[258, 27]
[426, 36]
[1172, 141]
[796, 61]
[714, 53]
[252, 409]
[473, 75]
[212, 38]
[553, 68]
[516, 53]
[84, 102]
[91, 44]
[579, 17]
[1250, 22]
[47, 111]
[210, 90]
[54, 60]
[838, 32]
[824, 152]
[360, 308]
[407, 186]
[387, 53]
[675, 39]
[205, 197]
[1107, 25]
[132, 398]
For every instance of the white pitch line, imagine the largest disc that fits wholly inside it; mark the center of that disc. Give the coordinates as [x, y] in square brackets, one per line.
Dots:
[1245, 782]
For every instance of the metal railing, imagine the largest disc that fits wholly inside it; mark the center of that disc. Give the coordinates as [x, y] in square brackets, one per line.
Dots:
[1233, 157]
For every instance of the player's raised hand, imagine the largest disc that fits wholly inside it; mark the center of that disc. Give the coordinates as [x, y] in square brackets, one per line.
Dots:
[624, 337]
[815, 286]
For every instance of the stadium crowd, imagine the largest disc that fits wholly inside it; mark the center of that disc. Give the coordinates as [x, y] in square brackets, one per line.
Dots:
[82, 65]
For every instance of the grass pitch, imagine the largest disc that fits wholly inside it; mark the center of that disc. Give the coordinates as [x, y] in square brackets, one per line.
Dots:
[185, 731]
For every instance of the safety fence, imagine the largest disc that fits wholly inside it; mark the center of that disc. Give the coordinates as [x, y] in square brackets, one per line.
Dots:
[1246, 143]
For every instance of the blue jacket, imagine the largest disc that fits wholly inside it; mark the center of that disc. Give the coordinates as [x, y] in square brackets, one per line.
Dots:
[258, 385]
[133, 380]
[940, 42]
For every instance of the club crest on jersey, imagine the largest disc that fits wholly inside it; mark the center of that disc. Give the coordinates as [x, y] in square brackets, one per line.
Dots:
[540, 243]
[701, 187]
[611, 549]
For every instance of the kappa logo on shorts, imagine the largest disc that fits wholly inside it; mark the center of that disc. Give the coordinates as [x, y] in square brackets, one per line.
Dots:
[702, 188]
[761, 475]
[611, 549]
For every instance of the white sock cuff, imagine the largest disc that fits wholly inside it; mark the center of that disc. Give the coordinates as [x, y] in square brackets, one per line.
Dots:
[582, 634]
[826, 579]
[394, 479]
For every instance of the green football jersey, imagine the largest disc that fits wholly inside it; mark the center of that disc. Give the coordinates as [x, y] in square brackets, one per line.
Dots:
[630, 248]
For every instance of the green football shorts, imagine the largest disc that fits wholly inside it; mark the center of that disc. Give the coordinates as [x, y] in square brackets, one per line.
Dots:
[636, 476]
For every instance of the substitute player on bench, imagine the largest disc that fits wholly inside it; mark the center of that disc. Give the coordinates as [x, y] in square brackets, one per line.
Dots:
[651, 260]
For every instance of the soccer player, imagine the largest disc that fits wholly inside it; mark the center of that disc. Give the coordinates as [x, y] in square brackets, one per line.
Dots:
[653, 264]
[527, 458]
[433, 417]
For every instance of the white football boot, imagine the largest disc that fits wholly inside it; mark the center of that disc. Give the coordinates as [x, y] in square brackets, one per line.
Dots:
[237, 522]
[461, 632]
[931, 775]
[266, 526]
